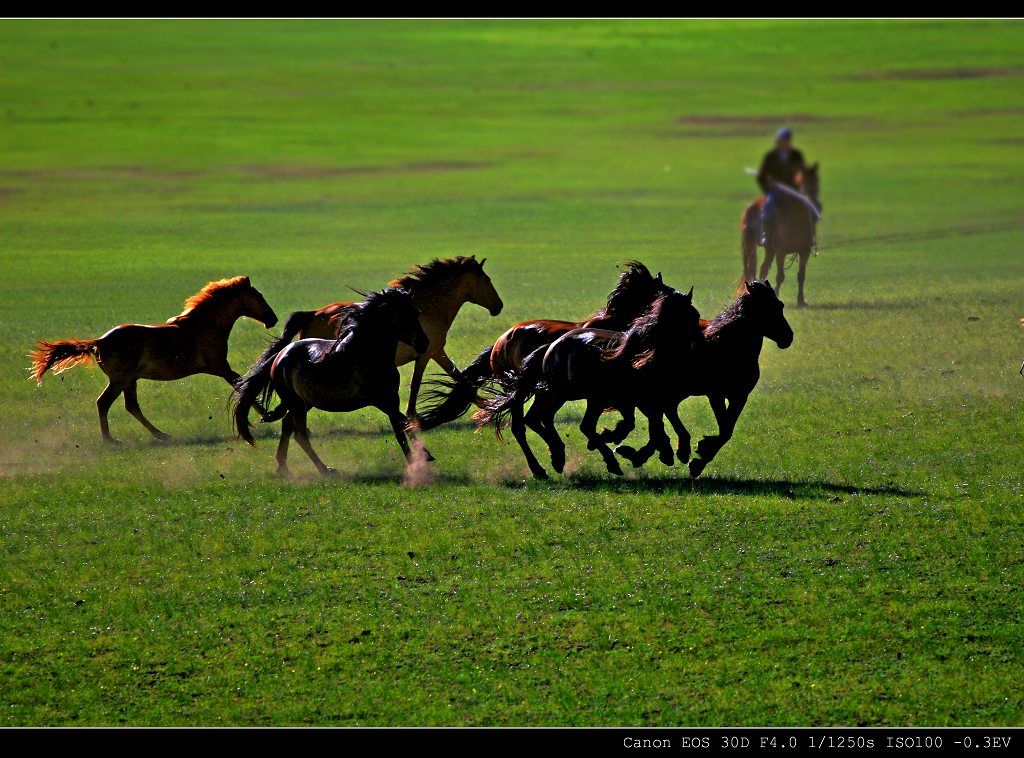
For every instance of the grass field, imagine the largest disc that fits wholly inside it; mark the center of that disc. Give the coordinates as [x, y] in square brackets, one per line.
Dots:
[853, 556]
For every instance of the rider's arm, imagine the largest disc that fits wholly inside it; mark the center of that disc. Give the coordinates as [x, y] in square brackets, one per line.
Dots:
[764, 179]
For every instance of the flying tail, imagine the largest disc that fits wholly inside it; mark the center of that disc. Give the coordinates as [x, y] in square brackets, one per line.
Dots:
[446, 399]
[60, 356]
[520, 388]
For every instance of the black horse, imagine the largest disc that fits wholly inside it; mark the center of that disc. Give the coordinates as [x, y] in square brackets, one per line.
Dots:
[354, 371]
[724, 368]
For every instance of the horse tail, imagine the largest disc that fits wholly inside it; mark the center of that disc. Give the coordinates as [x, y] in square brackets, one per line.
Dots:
[449, 399]
[60, 356]
[519, 389]
[255, 385]
[750, 230]
[293, 326]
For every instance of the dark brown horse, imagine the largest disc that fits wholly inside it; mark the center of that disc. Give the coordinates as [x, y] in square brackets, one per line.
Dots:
[794, 234]
[356, 370]
[608, 369]
[194, 342]
[725, 369]
[439, 289]
[633, 295]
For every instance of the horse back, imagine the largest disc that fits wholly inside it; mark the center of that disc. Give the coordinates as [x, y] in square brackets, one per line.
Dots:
[512, 347]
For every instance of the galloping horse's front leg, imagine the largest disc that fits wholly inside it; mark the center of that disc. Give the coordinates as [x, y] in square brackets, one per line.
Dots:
[766, 264]
[727, 417]
[390, 409]
[594, 442]
[131, 404]
[518, 425]
[657, 442]
[805, 256]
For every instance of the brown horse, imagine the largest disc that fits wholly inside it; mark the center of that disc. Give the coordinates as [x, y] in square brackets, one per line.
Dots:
[354, 371]
[193, 342]
[633, 295]
[439, 289]
[794, 234]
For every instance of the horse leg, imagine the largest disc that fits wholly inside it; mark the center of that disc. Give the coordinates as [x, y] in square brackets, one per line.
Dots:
[780, 270]
[302, 437]
[287, 427]
[682, 434]
[414, 387]
[766, 264]
[622, 429]
[801, 275]
[518, 425]
[103, 403]
[749, 246]
[658, 438]
[594, 442]
[131, 404]
[727, 417]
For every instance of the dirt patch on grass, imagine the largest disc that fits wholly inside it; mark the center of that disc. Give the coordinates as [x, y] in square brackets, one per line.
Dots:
[979, 72]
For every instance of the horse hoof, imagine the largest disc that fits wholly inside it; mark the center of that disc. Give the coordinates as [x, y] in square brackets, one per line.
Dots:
[429, 455]
[696, 467]
[540, 474]
[330, 471]
[162, 436]
[684, 458]
[801, 304]
[630, 454]
[281, 473]
[112, 441]
[667, 458]
[616, 470]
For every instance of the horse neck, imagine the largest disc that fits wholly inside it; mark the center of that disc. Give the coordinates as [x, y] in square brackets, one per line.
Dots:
[739, 337]
[364, 338]
[217, 318]
[440, 299]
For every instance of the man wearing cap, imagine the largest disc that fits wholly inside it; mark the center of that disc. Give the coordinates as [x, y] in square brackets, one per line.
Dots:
[780, 166]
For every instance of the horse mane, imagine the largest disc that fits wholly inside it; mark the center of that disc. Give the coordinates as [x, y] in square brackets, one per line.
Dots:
[438, 269]
[359, 314]
[636, 345]
[213, 291]
[735, 312]
[636, 278]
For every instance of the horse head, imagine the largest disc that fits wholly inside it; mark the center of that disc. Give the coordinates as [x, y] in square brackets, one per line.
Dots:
[255, 306]
[810, 183]
[481, 289]
[405, 317]
[768, 310]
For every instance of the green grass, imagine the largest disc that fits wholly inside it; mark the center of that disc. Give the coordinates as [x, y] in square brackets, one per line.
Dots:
[853, 556]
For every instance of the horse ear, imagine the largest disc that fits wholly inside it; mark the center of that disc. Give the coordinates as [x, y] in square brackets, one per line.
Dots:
[658, 278]
[690, 293]
[746, 287]
[482, 262]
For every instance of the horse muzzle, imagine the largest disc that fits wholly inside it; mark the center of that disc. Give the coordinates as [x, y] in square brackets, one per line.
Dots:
[784, 340]
[271, 321]
[495, 309]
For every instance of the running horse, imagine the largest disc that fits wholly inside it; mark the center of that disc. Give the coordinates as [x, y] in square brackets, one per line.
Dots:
[353, 371]
[633, 295]
[439, 289]
[608, 369]
[725, 369]
[193, 342]
[794, 234]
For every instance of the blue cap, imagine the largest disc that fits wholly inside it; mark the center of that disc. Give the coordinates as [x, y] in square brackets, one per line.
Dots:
[784, 133]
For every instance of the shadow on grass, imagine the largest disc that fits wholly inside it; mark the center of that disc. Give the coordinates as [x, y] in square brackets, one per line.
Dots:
[725, 485]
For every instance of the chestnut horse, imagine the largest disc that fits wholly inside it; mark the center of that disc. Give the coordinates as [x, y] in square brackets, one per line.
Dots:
[794, 234]
[439, 289]
[633, 295]
[608, 369]
[354, 371]
[193, 342]
[725, 369]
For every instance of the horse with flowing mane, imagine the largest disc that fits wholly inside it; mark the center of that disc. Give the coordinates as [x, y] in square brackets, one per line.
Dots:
[608, 369]
[193, 342]
[725, 368]
[439, 289]
[633, 295]
[355, 370]
[794, 234]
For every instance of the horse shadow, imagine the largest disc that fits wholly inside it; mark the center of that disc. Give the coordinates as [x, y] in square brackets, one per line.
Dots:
[727, 485]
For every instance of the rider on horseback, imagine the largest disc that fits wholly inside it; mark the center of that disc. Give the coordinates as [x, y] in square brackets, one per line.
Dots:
[780, 166]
